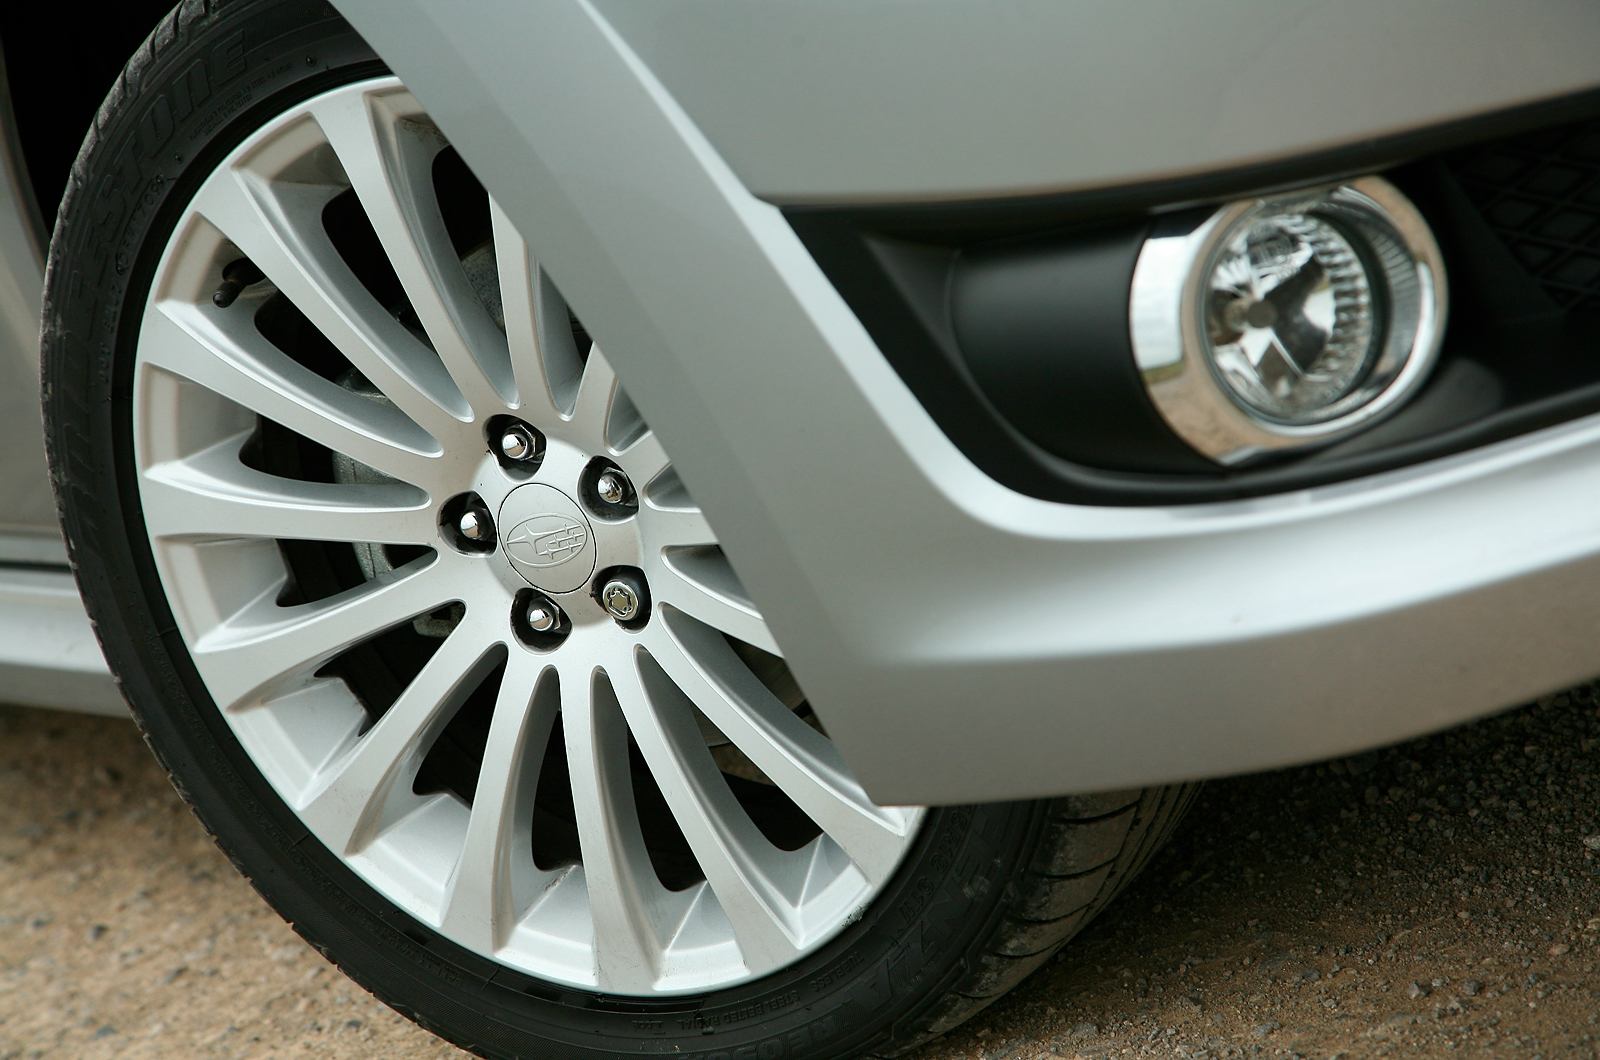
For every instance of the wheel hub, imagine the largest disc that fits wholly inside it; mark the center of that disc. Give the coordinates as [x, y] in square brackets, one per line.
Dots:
[548, 541]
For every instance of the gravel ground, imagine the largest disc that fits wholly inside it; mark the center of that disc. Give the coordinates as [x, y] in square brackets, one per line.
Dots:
[1436, 898]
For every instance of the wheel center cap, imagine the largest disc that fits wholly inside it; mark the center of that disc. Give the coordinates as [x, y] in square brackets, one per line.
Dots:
[546, 538]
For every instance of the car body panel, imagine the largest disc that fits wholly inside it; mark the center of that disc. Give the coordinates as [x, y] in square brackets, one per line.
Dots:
[48, 653]
[843, 101]
[49, 656]
[28, 528]
[961, 641]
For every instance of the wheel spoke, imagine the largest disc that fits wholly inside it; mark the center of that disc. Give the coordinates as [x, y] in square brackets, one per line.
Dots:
[678, 528]
[699, 581]
[388, 156]
[367, 787]
[250, 371]
[212, 494]
[739, 862]
[278, 226]
[591, 408]
[801, 761]
[644, 460]
[544, 356]
[263, 645]
[495, 876]
[622, 884]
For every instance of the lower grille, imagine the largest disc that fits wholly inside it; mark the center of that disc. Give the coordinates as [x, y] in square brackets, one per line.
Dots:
[1540, 193]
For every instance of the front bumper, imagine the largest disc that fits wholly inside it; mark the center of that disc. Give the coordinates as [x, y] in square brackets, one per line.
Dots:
[962, 641]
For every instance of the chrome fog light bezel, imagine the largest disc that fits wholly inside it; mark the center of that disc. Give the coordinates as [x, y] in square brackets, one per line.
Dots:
[1174, 354]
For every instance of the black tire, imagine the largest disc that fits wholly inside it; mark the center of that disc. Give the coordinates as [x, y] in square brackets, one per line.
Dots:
[986, 894]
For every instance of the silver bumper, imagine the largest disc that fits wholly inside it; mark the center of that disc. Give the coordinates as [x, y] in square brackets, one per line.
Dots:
[959, 640]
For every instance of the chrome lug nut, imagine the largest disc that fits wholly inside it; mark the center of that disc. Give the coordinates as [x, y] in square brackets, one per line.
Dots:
[620, 600]
[606, 491]
[543, 616]
[518, 443]
[611, 487]
[624, 595]
[466, 525]
[474, 526]
[538, 621]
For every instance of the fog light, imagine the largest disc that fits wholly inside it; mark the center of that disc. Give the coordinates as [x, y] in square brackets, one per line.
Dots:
[1288, 321]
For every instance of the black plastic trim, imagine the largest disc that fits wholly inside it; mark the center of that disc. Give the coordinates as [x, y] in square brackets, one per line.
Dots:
[1002, 379]
[1043, 326]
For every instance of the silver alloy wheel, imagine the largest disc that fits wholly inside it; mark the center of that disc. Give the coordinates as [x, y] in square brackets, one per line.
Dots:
[411, 432]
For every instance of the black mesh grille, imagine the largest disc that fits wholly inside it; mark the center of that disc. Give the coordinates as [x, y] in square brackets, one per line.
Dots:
[1540, 193]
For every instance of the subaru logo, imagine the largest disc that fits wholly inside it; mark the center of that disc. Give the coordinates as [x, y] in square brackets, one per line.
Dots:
[546, 540]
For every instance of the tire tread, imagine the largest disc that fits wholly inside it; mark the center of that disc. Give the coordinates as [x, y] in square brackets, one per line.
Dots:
[1022, 939]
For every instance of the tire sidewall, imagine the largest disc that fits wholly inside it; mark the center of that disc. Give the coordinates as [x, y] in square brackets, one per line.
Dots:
[196, 89]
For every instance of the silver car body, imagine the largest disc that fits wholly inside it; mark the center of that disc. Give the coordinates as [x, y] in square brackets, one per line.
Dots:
[961, 640]
[48, 653]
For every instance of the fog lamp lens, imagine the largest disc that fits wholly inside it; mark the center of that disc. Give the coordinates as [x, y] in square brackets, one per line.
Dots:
[1288, 321]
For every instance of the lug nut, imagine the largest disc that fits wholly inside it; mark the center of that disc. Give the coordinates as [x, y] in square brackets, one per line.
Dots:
[611, 487]
[606, 491]
[538, 621]
[620, 599]
[518, 443]
[623, 594]
[466, 525]
[474, 526]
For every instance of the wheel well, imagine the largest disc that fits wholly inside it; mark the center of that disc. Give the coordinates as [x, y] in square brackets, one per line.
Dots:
[60, 61]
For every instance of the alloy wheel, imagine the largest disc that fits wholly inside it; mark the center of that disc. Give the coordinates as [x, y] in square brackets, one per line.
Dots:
[446, 588]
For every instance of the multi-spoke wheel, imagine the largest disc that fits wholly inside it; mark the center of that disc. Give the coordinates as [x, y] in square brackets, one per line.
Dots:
[361, 476]
[414, 605]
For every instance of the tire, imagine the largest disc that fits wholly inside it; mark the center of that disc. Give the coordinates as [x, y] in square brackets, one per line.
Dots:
[966, 900]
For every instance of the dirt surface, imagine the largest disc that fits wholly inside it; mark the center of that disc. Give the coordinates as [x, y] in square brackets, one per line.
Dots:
[125, 933]
[1435, 899]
